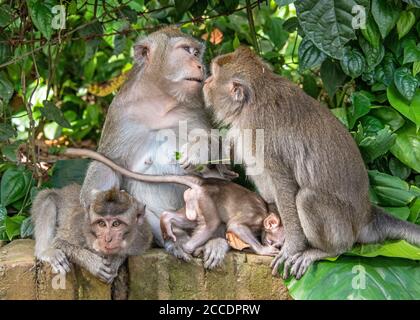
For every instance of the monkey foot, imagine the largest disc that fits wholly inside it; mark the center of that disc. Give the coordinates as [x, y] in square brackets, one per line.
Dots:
[176, 249]
[214, 252]
[57, 259]
[294, 265]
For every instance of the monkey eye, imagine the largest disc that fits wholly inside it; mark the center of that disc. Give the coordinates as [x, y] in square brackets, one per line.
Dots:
[196, 52]
[116, 223]
[102, 224]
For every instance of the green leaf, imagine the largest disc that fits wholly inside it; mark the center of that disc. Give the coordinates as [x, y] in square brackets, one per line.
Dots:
[405, 83]
[120, 42]
[353, 63]
[392, 197]
[372, 147]
[374, 55]
[6, 88]
[407, 146]
[336, 29]
[384, 73]
[41, 17]
[12, 225]
[414, 211]
[398, 169]
[332, 76]
[409, 110]
[386, 14]
[309, 55]
[416, 67]
[385, 180]
[5, 15]
[391, 249]
[401, 213]
[405, 23]
[26, 228]
[388, 116]
[236, 43]
[66, 172]
[371, 32]
[310, 86]
[14, 184]
[276, 33]
[6, 132]
[341, 114]
[52, 113]
[3, 213]
[359, 107]
[411, 51]
[198, 8]
[128, 13]
[182, 6]
[351, 278]
[291, 24]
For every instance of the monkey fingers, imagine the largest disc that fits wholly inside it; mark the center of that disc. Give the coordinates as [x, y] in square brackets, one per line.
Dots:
[277, 262]
[214, 252]
[176, 249]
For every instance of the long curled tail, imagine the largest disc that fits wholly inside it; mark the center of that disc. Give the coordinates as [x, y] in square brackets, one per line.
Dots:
[384, 226]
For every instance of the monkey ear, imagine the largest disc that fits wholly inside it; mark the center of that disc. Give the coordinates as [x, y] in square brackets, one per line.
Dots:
[272, 221]
[239, 92]
[141, 53]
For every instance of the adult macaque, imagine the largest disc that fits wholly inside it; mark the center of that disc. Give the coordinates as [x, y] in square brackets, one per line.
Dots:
[163, 89]
[209, 202]
[313, 169]
[99, 240]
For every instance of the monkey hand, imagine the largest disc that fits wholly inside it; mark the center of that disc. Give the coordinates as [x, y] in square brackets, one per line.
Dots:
[190, 158]
[284, 257]
[57, 259]
[177, 250]
[268, 251]
[101, 267]
[225, 172]
[214, 252]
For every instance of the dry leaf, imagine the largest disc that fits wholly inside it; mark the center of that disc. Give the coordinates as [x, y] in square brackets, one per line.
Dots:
[216, 36]
[235, 242]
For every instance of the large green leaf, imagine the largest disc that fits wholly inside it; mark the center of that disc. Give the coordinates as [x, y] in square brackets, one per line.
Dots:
[309, 55]
[6, 15]
[14, 184]
[371, 32]
[373, 54]
[407, 109]
[51, 112]
[388, 116]
[359, 278]
[26, 228]
[276, 33]
[385, 180]
[406, 83]
[411, 51]
[6, 132]
[183, 5]
[405, 23]
[328, 23]
[41, 17]
[386, 14]
[360, 105]
[353, 63]
[6, 88]
[332, 76]
[415, 3]
[407, 146]
[384, 72]
[13, 225]
[391, 249]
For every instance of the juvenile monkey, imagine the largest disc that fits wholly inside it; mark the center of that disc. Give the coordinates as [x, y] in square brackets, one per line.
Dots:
[99, 240]
[162, 90]
[209, 203]
[313, 169]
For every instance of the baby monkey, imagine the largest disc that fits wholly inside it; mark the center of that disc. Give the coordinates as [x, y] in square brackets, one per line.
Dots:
[98, 240]
[209, 202]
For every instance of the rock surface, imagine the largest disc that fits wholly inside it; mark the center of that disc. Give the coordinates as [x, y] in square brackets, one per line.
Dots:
[155, 275]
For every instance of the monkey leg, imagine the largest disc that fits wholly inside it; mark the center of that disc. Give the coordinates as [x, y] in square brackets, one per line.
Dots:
[246, 235]
[177, 219]
[326, 222]
[95, 264]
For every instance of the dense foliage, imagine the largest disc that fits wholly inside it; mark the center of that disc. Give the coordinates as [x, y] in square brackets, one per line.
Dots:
[56, 82]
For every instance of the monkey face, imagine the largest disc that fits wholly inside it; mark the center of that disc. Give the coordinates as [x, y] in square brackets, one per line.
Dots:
[273, 233]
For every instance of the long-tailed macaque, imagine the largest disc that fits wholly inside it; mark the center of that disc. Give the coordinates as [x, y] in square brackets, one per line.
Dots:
[209, 202]
[98, 240]
[313, 169]
[141, 130]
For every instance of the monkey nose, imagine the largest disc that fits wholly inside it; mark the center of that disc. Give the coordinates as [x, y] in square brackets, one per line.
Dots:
[108, 239]
[199, 66]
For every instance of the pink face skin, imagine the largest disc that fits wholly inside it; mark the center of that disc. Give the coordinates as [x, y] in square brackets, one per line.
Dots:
[184, 67]
[273, 233]
[110, 232]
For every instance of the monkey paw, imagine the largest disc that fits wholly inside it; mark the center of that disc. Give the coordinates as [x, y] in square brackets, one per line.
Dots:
[283, 258]
[301, 263]
[57, 259]
[101, 268]
[268, 251]
[214, 252]
[176, 249]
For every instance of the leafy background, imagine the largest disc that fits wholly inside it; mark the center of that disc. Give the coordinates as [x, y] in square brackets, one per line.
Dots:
[56, 85]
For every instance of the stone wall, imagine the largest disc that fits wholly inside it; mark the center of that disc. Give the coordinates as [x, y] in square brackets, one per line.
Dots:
[155, 275]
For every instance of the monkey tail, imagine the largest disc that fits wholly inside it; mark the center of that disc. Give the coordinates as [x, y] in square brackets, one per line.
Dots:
[384, 226]
[186, 180]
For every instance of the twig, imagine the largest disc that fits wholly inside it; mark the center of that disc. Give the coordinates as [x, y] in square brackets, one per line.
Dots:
[252, 26]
